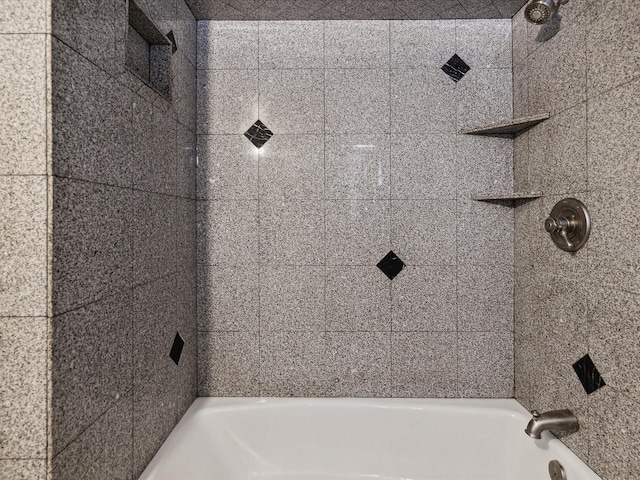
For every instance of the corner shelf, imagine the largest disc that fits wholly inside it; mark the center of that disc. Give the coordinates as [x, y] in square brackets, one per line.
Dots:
[511, 127]
[507, 196]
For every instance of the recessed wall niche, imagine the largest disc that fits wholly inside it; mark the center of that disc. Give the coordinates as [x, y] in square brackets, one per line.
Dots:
[149, 51]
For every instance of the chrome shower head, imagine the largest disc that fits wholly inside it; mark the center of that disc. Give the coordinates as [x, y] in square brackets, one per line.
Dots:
[539, 11]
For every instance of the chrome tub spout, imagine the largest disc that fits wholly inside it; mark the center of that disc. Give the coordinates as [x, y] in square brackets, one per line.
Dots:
[555, 420]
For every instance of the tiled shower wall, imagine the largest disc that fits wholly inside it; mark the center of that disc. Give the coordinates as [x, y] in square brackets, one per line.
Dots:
[583, 68]
[365, 158]
[24, 348]
[123, 160]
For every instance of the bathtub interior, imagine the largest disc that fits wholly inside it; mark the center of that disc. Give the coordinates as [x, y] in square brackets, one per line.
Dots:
[233, 439]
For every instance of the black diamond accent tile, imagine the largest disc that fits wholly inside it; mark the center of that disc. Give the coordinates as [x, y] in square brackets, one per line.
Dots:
[172, 39]
[176, 348]
[258, 134]
[391, 265]
[588, 374]
[456, 68]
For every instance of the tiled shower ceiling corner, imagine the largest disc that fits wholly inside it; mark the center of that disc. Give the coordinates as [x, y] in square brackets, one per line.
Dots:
[352, 9]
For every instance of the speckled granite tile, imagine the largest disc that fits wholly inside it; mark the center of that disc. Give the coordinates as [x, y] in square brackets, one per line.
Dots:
[23, 404]
[485, 364]
[521, 79]
[154, 323]
[479, 9]
[217, 10]
[287, 10]
[423, 100]
[553, 305]
[228, 167]
[154, 404]
[293, 364]
[24, 16]
[613, 134]
[23, 132]
[103, 451]
[291, 44]
[186, 248]
[611, 243]
[357, 231]
[614, 435]
[485, 233]
[92, 121]
[185, 31]
[186, 149]
[423, 166]
[357, 166]
[183, 92]
[292, 299]
[23, 229]
[357, 299]
[356, 101]
[229, 364]
[228, 232]
[356, 44]
[227, 101]
[613, 332]
[370, 10]
[519, 37]
[292, 101]
[153, 149]
[418, 44]
[359, 364]
[485, 96]
[92, 251]
[521, 178]
[484, 298]
[227, 45]
[154, 236]
[484, 164]
[484, 43]
[90, 28]
[558, 153]
[424, 364]
[292, 232]
[91, 365]
[564, 74]
[424, 299]
[612, 33]
[228, 298]
[292, 166]
[421, 9]
[423, 231]
[23, 469]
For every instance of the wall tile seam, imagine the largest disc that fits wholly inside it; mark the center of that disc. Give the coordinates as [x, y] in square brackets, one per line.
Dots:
[121, 187]
[97, 419]
[115, 293]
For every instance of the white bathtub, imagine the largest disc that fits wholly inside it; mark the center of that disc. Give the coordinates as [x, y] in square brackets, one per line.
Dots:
[323, 439]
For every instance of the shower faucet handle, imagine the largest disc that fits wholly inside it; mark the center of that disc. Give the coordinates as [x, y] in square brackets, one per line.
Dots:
[561, 226]
[568, 224]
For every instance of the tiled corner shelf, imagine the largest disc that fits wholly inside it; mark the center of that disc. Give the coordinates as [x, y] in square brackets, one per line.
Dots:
[507, 196]
[511, 127]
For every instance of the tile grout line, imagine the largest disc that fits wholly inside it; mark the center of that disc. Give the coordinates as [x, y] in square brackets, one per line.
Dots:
[390, 210]
[259, 258]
